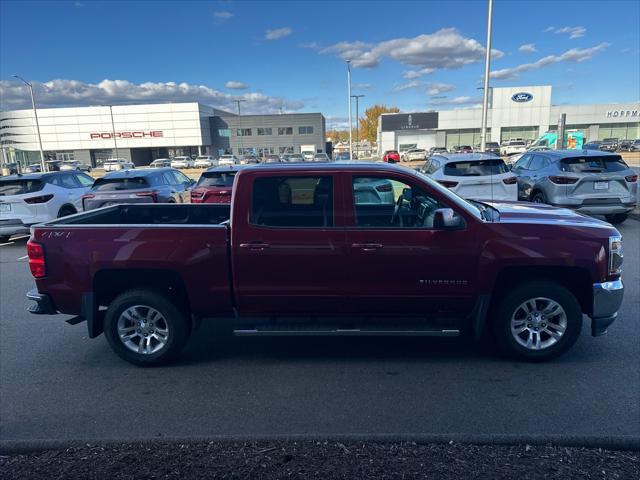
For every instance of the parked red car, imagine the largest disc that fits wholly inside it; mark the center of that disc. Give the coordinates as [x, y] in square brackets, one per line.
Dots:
[306, 249]
[391, 156]
[215, 185]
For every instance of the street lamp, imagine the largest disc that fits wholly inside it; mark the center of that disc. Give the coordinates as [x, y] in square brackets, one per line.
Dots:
[349, 95]
[238, 102]
[357, 97]
[485, 93]
[35, 114]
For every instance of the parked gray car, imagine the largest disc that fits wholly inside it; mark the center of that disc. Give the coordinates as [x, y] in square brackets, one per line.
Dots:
[588, 181]
[142, 185]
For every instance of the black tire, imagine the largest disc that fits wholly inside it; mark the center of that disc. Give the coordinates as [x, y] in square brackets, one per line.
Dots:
[66, 211]
[4, 238]
[177, 322]
[502, 314]
[538, 197]
[616, 218]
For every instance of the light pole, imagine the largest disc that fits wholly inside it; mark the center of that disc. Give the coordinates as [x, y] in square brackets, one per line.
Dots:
[35, 114]
[349, 97]
[113, 132]
[485, 93]
[238, 102]
[357, 97]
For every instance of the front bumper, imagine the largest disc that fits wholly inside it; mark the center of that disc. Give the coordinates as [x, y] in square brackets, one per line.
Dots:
[607, 298]
[43, 306]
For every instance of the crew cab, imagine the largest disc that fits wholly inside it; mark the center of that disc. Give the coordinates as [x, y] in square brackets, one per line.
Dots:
[311, 249]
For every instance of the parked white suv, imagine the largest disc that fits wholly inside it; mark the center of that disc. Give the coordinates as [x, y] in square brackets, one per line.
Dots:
[227, 160]
[113, 164]
[512, 147]
[182, 162]
[204, 161]
[39, 197]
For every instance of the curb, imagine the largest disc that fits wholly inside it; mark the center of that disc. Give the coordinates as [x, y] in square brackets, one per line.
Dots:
[621, 442]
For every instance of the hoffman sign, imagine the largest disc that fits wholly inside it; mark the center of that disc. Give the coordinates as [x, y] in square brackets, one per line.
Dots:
[138, 134]
[622, 113]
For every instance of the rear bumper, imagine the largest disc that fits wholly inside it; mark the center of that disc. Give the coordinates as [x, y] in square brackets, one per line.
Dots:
[607, 298]
[43, 303]
[606, 209]
[13, 227]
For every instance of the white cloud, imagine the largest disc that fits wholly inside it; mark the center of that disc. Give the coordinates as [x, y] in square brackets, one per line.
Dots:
[222, 15]
[438, 88]
[444, 49]
[236, 85]
[411, 74]
[573, 55]
[407, 86]
[72, 93]
[528, 48]
[464, 100]
[278, 33]
[78, 4]
[362, 86]
[574, 32]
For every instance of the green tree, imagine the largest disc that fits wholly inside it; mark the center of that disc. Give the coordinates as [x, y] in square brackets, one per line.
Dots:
[369, 123]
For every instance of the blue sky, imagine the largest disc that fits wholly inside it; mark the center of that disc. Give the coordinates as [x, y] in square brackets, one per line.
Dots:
[290, 55]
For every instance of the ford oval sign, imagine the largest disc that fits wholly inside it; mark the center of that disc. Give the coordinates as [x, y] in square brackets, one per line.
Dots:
[522, 97]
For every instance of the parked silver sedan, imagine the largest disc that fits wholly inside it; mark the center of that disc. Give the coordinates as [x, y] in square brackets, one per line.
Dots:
[588, 181]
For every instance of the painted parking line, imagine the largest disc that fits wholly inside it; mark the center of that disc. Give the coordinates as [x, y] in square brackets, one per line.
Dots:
[8, 243]
[22, 258]
[20, 237]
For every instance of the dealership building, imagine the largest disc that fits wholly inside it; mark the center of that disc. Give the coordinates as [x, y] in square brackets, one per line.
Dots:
[514, 112]
[142, 133]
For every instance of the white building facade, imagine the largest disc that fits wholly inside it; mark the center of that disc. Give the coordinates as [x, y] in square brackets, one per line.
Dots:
[514, 112]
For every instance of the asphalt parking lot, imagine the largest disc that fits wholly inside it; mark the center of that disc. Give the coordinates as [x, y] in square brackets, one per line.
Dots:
[56, 384]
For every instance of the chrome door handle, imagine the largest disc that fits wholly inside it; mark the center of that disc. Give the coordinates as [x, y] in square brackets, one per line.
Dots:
[255, 246]
[367, 247]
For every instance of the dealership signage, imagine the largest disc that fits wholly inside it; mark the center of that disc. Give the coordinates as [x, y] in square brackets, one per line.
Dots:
[409, 121]
[622, 113]
[136, 134]
[522, 97]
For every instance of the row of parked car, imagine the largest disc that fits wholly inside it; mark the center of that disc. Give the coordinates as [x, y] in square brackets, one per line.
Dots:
[589, 182]
[613, 145]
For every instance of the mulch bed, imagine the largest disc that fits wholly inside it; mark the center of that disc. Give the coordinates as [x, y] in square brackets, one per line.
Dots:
[321, 460]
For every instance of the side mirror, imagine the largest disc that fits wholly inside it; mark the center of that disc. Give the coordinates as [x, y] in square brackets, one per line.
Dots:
[446, 219]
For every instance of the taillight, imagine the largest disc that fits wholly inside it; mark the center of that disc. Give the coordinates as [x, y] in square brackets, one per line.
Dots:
[509, 180]
[152, 195]
[563, 180]
[37, 264]
[39, 199]
[631, 178]
[447, 183]
[387, 187]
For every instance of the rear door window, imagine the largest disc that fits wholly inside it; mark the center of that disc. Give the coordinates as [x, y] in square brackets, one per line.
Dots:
[19, 187]
[293, 202]
[84, 180]
[65, 181]
[476, 168]
[595, 164]
[537, 162]
[117, 184]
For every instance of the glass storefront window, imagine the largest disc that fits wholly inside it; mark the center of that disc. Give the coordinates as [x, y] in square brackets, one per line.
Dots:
[526, 133]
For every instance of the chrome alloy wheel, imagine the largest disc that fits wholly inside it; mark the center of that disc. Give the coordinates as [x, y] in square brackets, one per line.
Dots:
[143, 329]
[538, 323]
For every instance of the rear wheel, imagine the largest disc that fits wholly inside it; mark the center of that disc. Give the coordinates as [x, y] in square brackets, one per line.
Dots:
[144, 328]
[537, 321]
[616, 218]
[66, 211]
[538, 197]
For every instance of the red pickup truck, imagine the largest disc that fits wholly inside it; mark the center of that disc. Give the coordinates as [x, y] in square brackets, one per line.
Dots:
[330, 249]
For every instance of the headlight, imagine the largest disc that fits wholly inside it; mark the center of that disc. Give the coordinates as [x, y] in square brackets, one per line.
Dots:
[615, 255]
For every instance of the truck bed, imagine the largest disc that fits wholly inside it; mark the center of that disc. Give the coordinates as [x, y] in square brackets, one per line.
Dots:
[181, 246]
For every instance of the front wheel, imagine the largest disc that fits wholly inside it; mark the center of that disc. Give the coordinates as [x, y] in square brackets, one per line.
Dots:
[616, 218]
[537, 321]
[144, 328]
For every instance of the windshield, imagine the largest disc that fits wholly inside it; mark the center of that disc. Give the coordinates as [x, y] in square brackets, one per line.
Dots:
[216, 179]
[612, 163]
[117, 184]
[19, 187]
[476, 168]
